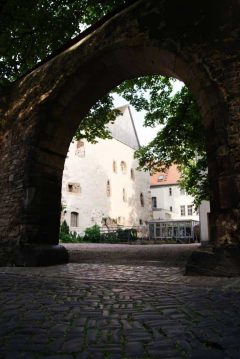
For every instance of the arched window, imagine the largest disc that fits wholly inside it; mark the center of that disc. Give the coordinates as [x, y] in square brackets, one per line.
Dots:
[142, 200]
[124, 195]
[74, 219]
[132, 174]
[80, 149]
[123, 166]
[108, 189]
[114, 167]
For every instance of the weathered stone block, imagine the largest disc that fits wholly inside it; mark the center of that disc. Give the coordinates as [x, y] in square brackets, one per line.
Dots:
[220, 262]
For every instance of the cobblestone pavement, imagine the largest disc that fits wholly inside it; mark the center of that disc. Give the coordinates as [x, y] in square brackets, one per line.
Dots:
[117, 312]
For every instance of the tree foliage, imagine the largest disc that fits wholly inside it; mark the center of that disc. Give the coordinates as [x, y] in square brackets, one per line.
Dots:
[180, 140]
[32, 29]
[94, 124]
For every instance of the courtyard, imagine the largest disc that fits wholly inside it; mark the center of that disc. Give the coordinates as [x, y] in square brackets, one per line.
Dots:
[118, 310]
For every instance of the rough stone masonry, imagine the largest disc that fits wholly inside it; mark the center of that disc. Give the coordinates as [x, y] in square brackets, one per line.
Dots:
[194, 41]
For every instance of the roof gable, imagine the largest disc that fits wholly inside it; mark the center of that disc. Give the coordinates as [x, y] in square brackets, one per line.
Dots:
[123, 128]
[169, 177]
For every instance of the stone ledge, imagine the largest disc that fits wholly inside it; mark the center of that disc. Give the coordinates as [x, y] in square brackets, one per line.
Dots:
[219, 262]
[38, 255]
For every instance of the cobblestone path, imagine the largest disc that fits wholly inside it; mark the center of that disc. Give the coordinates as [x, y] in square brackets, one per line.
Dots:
[117, 312]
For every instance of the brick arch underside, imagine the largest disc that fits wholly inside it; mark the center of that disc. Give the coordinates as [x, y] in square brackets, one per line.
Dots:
[47, 105]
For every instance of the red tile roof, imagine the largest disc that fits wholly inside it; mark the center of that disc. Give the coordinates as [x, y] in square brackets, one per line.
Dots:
[171, 176]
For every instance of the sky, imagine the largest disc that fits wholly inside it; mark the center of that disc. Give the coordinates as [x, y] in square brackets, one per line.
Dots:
[145, 134]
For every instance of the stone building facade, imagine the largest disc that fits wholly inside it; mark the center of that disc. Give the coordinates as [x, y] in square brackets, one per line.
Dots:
[101, 181]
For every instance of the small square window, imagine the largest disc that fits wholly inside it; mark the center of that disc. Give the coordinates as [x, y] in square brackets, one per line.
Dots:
[161, 178]
[74, 187]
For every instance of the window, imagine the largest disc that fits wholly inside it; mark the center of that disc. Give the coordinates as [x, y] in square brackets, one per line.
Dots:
[132, 174]
[190, 210]
[161, 178]
[170, 209]
[140, 222]
[74, 187]
[108, 189]
[182, 191]
[74, 219]
[121, 221]
[124, 196]
[80, 150]
[123, 166]
[182, 209]
[114, 167]
[142, 200]
[154, 202]
[170, 191]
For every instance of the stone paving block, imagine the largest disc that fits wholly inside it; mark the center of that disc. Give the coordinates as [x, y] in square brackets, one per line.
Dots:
[104, 350]
[116, 336]
[11, 354]
[167, 318]
[134, 349]
[164, 354]
[28, 355]
[138, 335]
[97, 355]
[207, 354]
[92, 335]
[55, 345]
[60, 356]
[79, 322]
[72, 346]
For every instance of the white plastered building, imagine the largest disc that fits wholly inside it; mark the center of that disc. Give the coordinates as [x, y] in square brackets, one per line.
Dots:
[101, 181]
[169, 201]
[174, 216]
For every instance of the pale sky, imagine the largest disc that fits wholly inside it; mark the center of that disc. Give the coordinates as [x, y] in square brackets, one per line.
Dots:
[145, 134]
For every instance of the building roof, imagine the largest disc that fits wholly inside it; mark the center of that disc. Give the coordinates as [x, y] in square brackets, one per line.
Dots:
[123, 129]
[169, 177]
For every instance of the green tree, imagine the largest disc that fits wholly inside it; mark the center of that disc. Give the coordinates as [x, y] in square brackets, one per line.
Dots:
[32, 29]
[181, 139]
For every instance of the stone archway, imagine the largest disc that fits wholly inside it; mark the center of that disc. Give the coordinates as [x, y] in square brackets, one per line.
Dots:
[194, 42]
